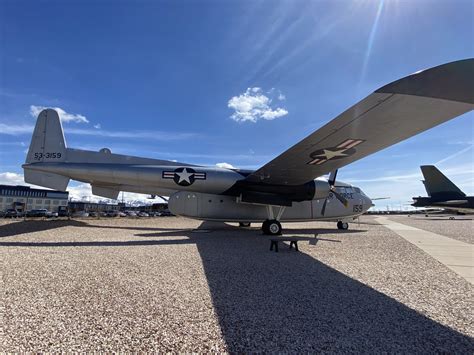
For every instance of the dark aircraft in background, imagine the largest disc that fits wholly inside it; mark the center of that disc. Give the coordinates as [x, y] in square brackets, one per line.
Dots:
[442, 193]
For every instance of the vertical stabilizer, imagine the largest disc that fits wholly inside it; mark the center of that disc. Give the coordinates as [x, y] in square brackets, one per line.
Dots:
[47, 146]
[47, 143]
[439, 186]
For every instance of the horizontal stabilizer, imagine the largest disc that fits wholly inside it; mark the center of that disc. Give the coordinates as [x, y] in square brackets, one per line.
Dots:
[105, 192]
[50, 180]
[455, 202]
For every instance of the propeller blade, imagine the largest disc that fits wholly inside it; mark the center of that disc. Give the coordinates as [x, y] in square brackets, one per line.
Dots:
[332, 178]
[324, 206]
[340, 197]
[331, 182]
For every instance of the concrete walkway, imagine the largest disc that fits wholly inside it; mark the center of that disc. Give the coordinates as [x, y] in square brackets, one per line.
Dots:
[456, 255]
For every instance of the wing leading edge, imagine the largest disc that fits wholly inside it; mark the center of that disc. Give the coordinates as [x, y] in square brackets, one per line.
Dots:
[390, 115]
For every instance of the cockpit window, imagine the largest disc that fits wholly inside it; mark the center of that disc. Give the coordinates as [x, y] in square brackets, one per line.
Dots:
[357, 190]
[344, 189]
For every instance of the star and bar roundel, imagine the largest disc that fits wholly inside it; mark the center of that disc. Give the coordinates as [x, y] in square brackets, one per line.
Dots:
[183, 176]
[342, 150]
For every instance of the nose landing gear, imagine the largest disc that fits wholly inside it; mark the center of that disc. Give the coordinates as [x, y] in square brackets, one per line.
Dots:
[342, 225]
[272, 226]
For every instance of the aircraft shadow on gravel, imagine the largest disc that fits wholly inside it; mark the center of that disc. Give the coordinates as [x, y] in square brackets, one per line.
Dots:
[291, 302]
[38, 225]
[31, 226]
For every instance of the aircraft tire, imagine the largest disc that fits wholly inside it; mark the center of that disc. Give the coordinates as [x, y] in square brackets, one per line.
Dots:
[342, 225]
[271, 227]
[274, 227]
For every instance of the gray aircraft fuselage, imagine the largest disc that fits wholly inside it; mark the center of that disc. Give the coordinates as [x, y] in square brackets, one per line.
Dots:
[209, 193]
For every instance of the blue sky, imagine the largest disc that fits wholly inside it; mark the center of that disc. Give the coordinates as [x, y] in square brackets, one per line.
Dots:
[157, 79]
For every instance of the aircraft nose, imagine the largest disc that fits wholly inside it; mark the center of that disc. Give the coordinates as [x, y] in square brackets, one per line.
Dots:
[367, 203]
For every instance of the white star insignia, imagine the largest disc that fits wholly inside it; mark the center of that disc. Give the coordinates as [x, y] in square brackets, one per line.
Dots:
[184, 176]
[329, 154]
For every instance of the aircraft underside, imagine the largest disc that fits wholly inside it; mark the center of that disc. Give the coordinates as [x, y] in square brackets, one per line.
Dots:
[228, 209]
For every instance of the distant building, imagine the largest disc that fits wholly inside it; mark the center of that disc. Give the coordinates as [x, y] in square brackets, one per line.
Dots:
[76, 206]
[24, 198]
[156, 207]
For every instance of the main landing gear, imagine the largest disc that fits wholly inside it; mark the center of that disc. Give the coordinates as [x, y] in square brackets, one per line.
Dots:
[272, 226]
[342, 225]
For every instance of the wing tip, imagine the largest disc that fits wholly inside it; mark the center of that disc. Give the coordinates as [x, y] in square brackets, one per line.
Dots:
[452, 81]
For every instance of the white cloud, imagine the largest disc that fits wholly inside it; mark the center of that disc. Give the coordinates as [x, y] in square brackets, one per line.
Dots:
[97, 126]
[63, 115]
[152, 135]
[281, 97]
[9, 178]
[252, 105]
[272, 114]
[225, 165]
[452, 156]
[83, 192]
[15, 130]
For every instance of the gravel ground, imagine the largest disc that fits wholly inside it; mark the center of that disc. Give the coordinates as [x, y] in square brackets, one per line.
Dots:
[155, 284]
[461, 228]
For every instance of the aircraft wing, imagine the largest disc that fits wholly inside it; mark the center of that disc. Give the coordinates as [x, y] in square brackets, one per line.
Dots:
[390, 115]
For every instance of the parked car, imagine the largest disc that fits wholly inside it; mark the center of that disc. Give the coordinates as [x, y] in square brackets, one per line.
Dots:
[41, 212]
[93, 214]
[80, 214]
[111, 214]
[166, 214]
[131, 213]
[63, 213]
[122, 214]
[143, 214]
[11, 213]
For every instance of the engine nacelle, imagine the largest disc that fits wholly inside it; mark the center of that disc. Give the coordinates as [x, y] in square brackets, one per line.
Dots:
[321, 189]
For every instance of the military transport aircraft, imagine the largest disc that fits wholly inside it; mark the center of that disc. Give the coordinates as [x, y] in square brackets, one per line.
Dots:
[286, 188]
[442, 193]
